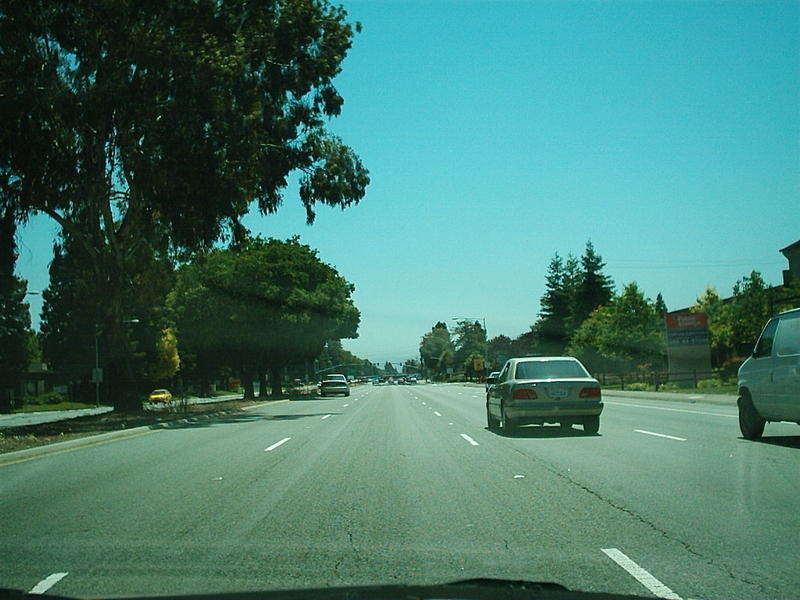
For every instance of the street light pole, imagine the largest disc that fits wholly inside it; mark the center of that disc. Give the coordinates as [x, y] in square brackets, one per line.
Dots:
[97, 374]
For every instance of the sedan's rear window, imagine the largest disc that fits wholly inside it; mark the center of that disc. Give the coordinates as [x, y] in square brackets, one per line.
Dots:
[550, 369]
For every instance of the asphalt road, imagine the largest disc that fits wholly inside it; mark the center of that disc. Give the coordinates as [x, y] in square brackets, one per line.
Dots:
[404, 484]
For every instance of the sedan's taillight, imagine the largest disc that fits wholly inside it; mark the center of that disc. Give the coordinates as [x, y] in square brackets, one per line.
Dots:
[524, 394]
[590, 392]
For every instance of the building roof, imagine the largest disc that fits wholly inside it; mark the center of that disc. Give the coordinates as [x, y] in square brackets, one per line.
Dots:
[795, 246]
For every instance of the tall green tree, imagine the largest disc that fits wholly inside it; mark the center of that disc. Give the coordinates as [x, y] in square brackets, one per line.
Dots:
[660, 305]
[627, 329]
[15, 318]
[470, 345]
[156, 125]
[749, 309]
[736, 322]
[719, 328]
[594, 289]
[501, 348]
[72, 331]
[437, 350]
[557, 305]
[266, 304]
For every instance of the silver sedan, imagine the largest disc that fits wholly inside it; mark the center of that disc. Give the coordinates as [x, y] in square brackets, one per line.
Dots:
[544, 389]
[335, 384]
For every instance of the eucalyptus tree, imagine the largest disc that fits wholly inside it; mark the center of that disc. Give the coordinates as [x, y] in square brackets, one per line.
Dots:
[154, 126]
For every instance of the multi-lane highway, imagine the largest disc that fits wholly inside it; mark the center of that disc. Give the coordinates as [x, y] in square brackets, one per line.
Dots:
[405, 484]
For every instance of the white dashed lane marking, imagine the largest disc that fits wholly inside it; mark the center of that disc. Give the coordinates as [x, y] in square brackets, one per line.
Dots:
[658, 589]
[661, 435]
[48, 582]
[276, 444]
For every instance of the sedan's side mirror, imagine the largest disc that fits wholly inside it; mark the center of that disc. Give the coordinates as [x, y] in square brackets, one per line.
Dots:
[491, 380]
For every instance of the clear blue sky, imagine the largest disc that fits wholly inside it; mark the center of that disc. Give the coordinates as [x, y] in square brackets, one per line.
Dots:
[498, 133]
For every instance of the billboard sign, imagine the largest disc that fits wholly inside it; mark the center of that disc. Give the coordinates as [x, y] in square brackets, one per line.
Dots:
[688, 347]
[687, 329]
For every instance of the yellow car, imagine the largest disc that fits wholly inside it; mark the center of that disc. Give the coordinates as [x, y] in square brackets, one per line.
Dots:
[160, 396]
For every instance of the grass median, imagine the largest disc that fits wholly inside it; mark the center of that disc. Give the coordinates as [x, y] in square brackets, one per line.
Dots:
[41, 434]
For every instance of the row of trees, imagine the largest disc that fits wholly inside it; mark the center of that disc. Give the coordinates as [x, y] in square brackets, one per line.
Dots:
[581, 314]
[250, 311]
[260, 308]
[442, 350]
[147, 131]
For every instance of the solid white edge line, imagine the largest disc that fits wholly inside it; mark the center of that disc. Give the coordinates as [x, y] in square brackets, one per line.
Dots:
[661, 435]
[276, 444]
[48, 582]
[469, 439]
[681, 410]
[658, 589]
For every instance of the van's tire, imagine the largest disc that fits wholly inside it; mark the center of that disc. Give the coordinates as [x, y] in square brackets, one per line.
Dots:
[751, 423]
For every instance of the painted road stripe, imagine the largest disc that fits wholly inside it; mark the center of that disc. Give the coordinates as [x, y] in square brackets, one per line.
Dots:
[658, 589]
[326, 416]
[47, 583]
[345, 405]
[276, 444]
[469, 439]
[692, 412]
[661, 435]
[437, 414]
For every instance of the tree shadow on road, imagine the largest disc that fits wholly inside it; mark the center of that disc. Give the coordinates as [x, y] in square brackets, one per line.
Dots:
[241, 417]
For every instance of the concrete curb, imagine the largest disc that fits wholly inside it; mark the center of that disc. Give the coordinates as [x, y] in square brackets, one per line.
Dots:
[725, 399]
[57, 447]
[693, 398]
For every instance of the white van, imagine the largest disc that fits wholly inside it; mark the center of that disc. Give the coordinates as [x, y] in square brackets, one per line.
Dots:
[769, 381]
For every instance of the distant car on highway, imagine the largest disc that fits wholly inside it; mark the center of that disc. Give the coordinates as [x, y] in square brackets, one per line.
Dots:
[544, 389]
[492, 376]
[160, 396]
[334, 384]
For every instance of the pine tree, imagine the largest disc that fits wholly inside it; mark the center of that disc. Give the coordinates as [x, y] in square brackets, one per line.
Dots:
[555, 305]
[594, 289]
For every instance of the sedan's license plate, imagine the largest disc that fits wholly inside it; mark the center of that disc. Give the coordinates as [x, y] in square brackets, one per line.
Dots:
[557, 392]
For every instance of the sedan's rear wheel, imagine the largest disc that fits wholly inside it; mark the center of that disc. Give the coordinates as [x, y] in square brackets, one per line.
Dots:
[750, 422]
[508, 422]
[591, 425]
[491, 422]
